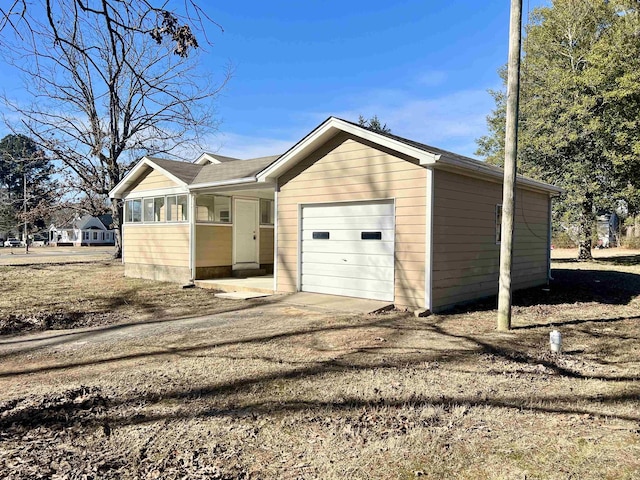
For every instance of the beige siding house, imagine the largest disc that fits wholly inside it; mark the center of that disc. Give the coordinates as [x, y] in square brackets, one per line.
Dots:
[354, 212]
[189, 221]
[379, 216]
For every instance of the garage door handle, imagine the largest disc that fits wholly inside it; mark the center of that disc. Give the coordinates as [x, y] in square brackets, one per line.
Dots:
[254, 237]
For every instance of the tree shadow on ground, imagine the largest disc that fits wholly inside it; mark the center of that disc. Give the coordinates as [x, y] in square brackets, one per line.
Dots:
[569, 286]
[52, 338]
[221, 396]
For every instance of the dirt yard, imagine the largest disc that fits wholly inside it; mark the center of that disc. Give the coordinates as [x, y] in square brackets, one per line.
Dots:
[173, 383]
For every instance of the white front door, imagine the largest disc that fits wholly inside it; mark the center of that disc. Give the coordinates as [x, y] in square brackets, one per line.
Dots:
[246, 233]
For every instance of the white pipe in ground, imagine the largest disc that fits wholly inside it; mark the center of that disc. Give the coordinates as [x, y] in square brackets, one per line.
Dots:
[555, 341]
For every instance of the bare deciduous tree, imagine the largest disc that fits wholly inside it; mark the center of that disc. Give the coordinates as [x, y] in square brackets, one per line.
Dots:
[110, 81]
[160, 23]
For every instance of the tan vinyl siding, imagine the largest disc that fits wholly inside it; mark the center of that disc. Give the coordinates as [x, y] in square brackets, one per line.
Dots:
[156, 244]
[266, 245]
[349, 169]
[153, 180]
[465, 253]
[213, 245]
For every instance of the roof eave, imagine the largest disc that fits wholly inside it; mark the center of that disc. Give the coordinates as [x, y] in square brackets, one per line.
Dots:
[223, 183]
[480, 170]
[327, 130]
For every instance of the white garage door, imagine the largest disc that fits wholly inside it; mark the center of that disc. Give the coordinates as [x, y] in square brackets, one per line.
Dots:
[348, 249]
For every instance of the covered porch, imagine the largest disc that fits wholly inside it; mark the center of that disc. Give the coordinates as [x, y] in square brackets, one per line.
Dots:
[234, 233]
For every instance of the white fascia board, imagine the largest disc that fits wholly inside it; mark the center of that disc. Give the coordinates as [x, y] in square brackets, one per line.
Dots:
[327, 130]
[222, 183]
[480, 170]
[156, 192]
[135, 172]
[207, 158]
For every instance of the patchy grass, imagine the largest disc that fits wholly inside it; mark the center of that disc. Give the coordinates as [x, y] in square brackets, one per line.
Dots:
[68, 295]
[275, 391]
[54, 255]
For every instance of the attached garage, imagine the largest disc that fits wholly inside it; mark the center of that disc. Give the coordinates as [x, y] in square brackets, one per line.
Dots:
[348, 249]
[371, 215]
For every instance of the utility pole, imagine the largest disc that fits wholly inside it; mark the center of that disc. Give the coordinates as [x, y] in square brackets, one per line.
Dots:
[510, 165]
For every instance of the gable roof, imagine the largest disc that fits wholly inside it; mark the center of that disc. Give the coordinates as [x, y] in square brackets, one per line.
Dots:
[107, 220]
[233, 170]
[184, 171]
[229, 171]
[427, 155]
[87, 222]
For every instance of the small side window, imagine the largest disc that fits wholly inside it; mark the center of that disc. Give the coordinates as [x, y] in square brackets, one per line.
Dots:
[136, 210]
[266, 212]
[320, 235]
[371, 235]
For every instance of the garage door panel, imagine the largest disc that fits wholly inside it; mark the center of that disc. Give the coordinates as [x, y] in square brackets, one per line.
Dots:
[379, 287]
[348, 235]
[353, 252]
[348, 259]
[348, 292]
[372, 247]
[349, 223]
[349, 271]
[349, 210]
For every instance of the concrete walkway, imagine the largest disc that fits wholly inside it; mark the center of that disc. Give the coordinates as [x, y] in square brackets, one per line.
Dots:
[254, 287]
[262, 284]
[336, 303]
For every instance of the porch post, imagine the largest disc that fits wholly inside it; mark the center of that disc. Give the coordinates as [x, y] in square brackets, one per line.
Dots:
[192, 236]
[275, 238]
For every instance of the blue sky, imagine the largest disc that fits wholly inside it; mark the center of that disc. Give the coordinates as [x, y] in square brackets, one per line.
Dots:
[423, 67]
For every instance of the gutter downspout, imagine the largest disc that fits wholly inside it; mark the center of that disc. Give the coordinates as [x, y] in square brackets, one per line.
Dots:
[428, 253]
[192, 237]
[275, 239]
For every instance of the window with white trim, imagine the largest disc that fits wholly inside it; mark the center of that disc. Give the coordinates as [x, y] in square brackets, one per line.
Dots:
[133, 211]
[171, 208]
[177, 208]
[148, 210]
[213, 208]
[266, 211]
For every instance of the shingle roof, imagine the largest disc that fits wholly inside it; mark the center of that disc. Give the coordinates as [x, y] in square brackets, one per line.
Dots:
[425, 147]
[185, 171]
[467, 162]
[107, 220]
[223, 159]
[232, 169]
[82, 222]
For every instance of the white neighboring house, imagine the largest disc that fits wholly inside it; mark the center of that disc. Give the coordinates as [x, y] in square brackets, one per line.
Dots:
[84, 231]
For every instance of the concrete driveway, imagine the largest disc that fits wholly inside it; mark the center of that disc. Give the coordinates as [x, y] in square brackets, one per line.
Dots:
[242, 317]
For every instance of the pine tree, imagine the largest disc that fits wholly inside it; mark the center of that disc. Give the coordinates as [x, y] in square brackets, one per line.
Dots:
[20, 160]
[579, 108]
